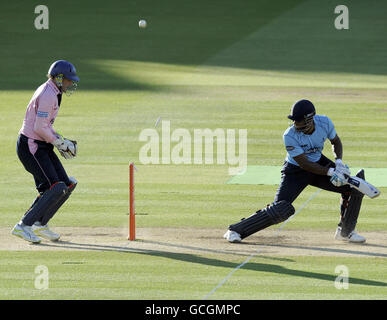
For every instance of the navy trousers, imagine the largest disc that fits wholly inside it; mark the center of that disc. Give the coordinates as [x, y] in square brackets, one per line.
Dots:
[294, 180]
[44, 165]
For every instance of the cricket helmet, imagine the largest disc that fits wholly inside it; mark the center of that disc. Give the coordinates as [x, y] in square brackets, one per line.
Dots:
[61, 69]
[302, 109]
[65, 68]
[302, 114]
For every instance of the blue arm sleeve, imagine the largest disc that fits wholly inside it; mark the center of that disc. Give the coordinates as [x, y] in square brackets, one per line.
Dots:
[292, 146]
[331, 129]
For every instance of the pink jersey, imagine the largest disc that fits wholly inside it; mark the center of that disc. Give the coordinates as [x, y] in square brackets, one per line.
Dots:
[41, 113]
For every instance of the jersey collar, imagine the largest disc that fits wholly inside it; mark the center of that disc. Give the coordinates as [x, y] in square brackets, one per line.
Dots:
[52, 84]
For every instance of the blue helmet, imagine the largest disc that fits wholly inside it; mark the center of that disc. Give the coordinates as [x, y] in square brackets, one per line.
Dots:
[63, 68]
[302, 109]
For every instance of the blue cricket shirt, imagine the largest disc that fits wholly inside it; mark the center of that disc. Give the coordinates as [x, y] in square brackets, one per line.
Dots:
[312, 145]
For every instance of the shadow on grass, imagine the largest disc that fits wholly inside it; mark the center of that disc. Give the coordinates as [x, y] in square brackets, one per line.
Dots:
[193, 258]
[345, 251]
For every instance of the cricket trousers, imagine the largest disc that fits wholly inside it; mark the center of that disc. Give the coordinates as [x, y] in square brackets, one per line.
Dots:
[295, 179]
[39, 159]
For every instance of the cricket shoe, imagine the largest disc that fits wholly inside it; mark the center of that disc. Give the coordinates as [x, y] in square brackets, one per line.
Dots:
[232, 236]
[44, 232]
[25, 232]
[353, 237]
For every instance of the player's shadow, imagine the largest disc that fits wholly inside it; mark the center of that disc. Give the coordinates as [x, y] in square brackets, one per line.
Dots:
[196, 259]
[331, 250]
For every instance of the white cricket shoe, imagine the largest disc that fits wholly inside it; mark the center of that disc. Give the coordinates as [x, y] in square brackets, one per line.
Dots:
[44, 232]
[25, 232]
[353, 237]
[232, 236]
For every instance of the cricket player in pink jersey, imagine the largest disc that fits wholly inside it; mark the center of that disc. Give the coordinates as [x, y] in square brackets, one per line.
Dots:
[35, 149]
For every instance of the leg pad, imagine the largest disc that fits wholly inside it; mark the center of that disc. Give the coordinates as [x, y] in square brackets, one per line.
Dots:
[50, 213]
[273, 214]
[350, 213]
[46, 202]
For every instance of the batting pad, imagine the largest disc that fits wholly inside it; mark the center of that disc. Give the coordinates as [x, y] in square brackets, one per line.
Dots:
[271, 175]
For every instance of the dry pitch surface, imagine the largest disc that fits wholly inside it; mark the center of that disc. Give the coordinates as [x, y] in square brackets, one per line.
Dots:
[270, 242]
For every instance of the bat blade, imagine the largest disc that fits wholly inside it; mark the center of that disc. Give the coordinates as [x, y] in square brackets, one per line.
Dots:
[364, 187]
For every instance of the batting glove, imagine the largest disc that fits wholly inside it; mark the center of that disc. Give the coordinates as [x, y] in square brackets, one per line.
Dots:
[342, 168]
[337, 178]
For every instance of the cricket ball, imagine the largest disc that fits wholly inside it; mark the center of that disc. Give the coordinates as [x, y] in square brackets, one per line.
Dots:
[142, 24]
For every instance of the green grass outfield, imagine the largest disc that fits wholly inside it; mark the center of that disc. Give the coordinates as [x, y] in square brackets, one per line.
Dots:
[114, 275]
[217, 64]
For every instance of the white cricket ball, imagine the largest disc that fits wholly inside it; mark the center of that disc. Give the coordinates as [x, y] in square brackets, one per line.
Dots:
[142, 24]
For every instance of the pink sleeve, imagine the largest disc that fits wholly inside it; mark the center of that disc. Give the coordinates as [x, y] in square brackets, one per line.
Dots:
[43, 125]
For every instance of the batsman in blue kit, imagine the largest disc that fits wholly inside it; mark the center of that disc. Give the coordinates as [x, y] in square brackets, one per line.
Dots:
[306, 165]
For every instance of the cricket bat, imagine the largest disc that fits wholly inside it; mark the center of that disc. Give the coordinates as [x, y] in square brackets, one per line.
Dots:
[363, 186]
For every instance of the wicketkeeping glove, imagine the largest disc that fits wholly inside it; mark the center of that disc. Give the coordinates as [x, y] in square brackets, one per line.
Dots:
[67, 148]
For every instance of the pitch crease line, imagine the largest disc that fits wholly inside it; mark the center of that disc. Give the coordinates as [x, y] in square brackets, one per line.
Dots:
[230, 274]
